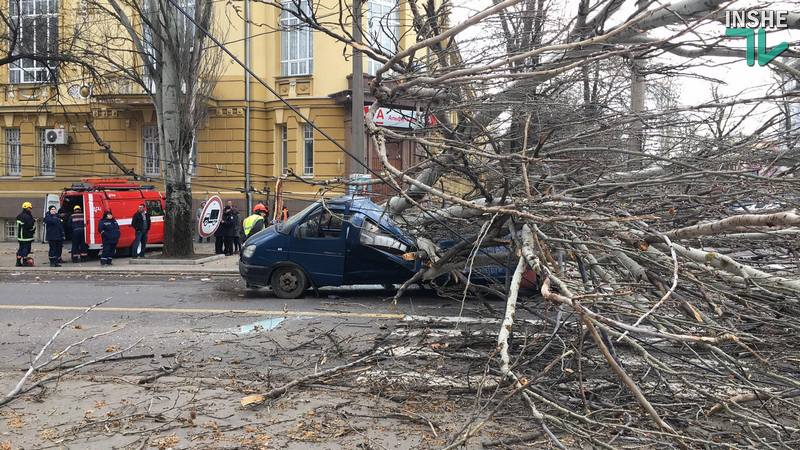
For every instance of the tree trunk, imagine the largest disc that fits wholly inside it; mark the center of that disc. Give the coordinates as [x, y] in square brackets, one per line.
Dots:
[636, 137]
[178, 221]
[175, 149]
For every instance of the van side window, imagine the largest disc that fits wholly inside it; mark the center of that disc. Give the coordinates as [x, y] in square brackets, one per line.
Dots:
[154, 208]
[322, 224]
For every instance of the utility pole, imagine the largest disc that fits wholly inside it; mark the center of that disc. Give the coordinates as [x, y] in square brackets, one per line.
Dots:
[358, 160]
[247, 53]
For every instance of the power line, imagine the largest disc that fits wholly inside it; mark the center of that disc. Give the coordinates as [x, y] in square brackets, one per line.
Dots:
[276, 94]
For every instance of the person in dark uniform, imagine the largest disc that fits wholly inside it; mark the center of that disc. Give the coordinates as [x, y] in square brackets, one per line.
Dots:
[228, 226]
[109, 233]
[62, 214]
[54, 233]
[237, 231]
[219, 239]
[79, 250]
[25, 230]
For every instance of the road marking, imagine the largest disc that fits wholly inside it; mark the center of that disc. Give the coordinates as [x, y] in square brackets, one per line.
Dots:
[247, 312]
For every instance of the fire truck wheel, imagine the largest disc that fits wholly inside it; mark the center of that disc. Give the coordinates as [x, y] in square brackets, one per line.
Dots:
[288, 282]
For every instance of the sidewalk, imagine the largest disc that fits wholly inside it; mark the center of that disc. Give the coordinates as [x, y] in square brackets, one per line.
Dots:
[226, 266]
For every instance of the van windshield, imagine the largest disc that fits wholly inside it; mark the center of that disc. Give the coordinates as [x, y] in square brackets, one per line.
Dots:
[284, 227]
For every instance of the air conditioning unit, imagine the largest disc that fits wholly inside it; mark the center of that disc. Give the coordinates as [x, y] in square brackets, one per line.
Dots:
[56, 136]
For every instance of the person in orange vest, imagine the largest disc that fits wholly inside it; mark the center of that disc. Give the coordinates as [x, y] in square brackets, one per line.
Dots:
[284, 214]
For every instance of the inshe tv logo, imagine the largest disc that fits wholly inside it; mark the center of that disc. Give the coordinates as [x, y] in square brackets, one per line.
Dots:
[755, 22]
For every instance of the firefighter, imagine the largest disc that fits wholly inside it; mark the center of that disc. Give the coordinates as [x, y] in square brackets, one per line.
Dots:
[25, 230]
[109, 233]
[78, 235]
[255, 222]
[54, 233]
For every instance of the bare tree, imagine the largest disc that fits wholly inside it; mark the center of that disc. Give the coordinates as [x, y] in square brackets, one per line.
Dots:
[664, 235]
[153, 44]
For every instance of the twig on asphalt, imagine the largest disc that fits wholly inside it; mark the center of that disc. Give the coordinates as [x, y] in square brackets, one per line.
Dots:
[33, 366]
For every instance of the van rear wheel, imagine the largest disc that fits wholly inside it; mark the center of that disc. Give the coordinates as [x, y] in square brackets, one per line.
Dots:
[288, 282]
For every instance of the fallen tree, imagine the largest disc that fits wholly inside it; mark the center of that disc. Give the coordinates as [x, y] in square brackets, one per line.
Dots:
[565, 142]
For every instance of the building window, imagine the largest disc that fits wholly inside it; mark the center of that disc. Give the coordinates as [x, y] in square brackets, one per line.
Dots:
[297, 45]
[47, 155]
[37, 24]
[13, 160]
[11, 229]
[152, 155]
[383, 29]
[284, 149]
[308, 150]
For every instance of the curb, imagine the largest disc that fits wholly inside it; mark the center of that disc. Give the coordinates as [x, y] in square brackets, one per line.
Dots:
[176, 262]
[14, 271]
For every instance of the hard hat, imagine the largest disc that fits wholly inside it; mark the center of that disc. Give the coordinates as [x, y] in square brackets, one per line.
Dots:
[76, 208]
[259, 207]
[27, 205]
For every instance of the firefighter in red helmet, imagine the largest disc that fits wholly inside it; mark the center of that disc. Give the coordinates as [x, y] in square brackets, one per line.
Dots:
[255, 222]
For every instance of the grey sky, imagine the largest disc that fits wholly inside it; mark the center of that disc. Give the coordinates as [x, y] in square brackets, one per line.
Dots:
[733, 75]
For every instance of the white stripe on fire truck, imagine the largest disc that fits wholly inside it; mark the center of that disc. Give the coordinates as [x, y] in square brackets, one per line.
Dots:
[91, 218]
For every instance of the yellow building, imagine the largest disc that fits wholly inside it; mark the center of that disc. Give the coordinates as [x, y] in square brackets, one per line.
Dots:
[309, 68]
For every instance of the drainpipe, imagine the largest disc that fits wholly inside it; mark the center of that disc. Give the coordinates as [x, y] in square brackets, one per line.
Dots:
[247, 185]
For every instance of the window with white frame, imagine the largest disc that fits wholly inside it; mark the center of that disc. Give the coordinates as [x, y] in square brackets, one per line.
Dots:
[11, 229]
[46, 162]
[284, 149]
[383, 28]
[13, 159]
[308, 150]
[152, 155]
[297, 46]
[36, 22]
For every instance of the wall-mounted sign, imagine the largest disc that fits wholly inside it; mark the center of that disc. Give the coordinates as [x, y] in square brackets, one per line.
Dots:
[210, 217]
[401, 118]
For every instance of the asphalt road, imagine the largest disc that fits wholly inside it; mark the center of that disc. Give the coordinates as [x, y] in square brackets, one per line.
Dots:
[169, 315]
[183, 351]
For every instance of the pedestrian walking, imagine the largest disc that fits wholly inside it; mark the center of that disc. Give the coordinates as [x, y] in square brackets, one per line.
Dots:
[25, 230]
[109, 233]
[79, 250]
[54, 234]
[141, 225]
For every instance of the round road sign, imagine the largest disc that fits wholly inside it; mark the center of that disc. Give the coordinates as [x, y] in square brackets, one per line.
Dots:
[210, 217]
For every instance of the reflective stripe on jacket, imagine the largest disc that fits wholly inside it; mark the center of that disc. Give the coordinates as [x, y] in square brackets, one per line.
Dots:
[25, 226]
[250, 223]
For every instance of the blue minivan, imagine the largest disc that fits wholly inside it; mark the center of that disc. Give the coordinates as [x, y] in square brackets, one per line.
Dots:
[345, 241]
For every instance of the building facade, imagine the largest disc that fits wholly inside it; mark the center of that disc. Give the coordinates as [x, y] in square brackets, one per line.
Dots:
[308, 68]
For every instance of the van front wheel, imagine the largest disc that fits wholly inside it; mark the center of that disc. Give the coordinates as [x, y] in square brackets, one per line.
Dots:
[288, 282]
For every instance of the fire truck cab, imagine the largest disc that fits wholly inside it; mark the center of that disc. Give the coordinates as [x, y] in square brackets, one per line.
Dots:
[120, 196]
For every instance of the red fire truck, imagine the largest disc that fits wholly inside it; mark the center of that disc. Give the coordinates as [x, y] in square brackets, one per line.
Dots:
[121, 197]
